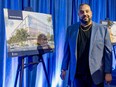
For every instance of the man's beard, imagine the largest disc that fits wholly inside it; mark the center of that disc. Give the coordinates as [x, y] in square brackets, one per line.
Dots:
[86, 22]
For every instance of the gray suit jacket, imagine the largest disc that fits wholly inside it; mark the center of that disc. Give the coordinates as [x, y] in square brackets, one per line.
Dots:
[100, 60]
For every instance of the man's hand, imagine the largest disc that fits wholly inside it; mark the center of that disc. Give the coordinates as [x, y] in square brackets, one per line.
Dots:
[108, 78]
[63, 74]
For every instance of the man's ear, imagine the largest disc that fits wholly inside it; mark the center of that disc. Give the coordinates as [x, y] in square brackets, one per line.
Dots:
[91, 13]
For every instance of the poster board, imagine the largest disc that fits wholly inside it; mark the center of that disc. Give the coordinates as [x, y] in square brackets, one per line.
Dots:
[27, 32]
[111, 25]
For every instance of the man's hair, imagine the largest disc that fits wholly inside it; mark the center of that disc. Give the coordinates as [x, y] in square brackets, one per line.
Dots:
[83, 4]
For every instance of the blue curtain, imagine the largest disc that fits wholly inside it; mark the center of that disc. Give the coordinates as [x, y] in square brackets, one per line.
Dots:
[64, 13]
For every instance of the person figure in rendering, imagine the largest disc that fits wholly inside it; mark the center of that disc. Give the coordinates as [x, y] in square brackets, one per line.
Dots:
[42, 44]
[87, 52]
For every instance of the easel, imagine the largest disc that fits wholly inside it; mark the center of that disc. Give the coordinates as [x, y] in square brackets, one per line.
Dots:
[22, 66]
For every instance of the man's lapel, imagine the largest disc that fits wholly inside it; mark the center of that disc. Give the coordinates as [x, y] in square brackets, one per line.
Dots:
[93, 35]
[77, 33]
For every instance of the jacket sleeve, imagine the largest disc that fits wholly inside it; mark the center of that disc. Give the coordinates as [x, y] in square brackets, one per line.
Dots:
[107, 53]
[66, 55]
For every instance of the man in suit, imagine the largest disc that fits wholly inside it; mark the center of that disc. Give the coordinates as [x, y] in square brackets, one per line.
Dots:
[87, 51]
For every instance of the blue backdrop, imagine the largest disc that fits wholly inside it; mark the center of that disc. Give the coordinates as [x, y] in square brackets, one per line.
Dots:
[64, 13]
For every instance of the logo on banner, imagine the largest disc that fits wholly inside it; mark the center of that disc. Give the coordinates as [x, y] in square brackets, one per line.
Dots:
[13, 14]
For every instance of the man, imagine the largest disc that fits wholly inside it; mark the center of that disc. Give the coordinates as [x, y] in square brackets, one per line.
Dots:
[88, 52]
